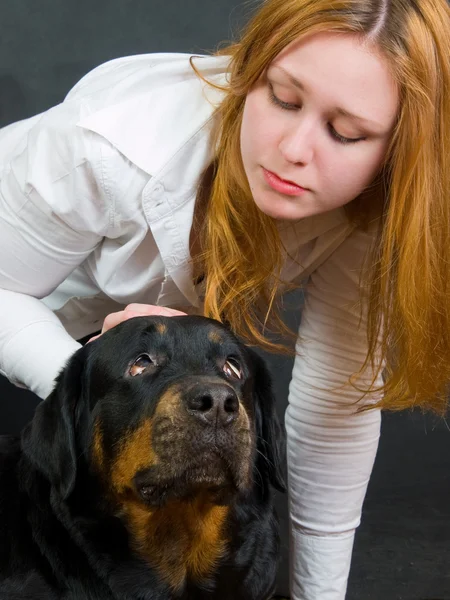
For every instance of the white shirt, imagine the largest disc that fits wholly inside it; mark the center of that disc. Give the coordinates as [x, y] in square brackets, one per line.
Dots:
[96, 203]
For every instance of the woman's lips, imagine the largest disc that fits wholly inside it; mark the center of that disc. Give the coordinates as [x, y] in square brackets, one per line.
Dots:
[281, 185]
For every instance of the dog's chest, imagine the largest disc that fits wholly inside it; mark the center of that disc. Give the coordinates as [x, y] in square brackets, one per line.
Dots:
[181, 542]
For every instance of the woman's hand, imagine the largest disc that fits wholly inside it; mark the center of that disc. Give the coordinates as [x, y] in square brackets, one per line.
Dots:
[135, 310]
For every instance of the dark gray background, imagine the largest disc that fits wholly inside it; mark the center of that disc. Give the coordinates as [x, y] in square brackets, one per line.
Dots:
[402, 548]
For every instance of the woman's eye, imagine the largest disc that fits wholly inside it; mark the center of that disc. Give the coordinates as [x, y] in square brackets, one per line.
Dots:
[341, 139]
[231, 368]
[280, 103]
[140, 365]
[288, 106]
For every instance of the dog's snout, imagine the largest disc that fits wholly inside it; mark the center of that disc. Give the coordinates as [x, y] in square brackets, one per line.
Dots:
[213, 404]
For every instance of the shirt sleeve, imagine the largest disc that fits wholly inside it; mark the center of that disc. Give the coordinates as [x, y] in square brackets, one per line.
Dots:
[331, 447]
[53, 214]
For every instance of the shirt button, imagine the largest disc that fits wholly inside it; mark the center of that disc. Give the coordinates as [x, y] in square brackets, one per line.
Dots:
[158, 190]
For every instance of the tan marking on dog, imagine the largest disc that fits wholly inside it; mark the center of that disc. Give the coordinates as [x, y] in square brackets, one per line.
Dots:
[170, 404]
[215, 336]
[182, 539]
[98, 456]
[161, 328]
[135, 453]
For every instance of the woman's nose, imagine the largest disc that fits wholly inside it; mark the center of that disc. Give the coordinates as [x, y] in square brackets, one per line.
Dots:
[297, 145]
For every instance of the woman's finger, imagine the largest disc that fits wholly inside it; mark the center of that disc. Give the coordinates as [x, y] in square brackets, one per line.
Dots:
[135, 310]
[114, 319]
[150, 309]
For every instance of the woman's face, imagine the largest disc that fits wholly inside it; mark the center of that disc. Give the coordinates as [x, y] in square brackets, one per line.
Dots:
[321, 117]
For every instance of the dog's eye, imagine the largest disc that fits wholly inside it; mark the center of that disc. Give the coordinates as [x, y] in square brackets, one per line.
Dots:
[140, 365]
[232, 368]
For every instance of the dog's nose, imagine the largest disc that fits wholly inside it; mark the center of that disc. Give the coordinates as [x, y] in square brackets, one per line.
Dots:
[213, 404]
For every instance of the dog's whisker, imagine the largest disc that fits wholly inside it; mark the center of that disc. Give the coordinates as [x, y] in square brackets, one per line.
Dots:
[265, 458]
[261, 480]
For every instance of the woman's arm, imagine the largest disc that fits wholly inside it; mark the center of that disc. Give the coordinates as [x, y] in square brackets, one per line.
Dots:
[331, 449]
[53, 213]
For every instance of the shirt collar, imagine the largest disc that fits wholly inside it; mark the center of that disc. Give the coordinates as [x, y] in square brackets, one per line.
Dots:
[150, 126]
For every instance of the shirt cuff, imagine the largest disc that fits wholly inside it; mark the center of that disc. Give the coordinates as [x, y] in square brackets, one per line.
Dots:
[320, 565]
[35, 355]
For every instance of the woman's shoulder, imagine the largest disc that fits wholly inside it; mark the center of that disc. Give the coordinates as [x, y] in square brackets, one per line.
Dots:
[148, 106]
[129, 76]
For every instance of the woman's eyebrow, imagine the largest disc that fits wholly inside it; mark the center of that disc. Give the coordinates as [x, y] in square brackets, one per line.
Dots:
[341, 111]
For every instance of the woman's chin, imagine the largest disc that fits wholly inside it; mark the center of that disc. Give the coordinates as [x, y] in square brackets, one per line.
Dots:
[282, 211]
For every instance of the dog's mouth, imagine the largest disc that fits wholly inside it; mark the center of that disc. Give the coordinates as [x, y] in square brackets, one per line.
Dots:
[212, 475]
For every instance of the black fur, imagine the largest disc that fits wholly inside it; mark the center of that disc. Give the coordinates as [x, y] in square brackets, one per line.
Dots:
[63, 534]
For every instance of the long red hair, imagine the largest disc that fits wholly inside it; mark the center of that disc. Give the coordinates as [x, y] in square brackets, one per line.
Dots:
[408, 291]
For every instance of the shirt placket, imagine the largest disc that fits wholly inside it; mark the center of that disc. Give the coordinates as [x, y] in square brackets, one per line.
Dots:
[170, 227]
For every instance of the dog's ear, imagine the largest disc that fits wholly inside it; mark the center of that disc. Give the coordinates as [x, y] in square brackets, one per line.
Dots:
[49, 440]
[271, 437]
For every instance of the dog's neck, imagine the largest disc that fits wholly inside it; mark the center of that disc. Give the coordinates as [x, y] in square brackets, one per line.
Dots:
[182, 540]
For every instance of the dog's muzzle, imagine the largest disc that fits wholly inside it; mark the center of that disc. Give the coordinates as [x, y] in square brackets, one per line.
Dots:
[201, 438]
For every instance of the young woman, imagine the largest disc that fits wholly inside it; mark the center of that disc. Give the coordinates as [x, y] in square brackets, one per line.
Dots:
[315, 150]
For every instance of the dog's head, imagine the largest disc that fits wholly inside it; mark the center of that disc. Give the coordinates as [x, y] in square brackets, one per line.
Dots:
[160, 408]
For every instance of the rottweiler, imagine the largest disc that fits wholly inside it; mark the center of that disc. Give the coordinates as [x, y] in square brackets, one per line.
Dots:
[147, 473]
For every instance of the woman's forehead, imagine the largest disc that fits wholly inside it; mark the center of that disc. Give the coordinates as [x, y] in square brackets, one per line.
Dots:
[344, 72]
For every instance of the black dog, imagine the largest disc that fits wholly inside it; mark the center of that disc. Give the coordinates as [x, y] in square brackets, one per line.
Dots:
[146, 473]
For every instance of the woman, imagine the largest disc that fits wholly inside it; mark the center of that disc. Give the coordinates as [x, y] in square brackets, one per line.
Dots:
[315, 150]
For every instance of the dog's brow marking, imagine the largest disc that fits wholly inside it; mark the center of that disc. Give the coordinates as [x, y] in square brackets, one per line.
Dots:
[181, 539]
[215, 336]
[161, 328]
[135, 453]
